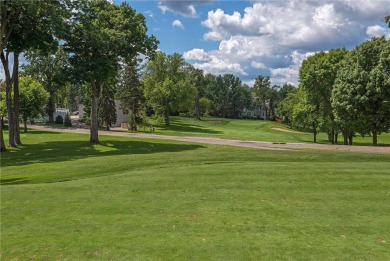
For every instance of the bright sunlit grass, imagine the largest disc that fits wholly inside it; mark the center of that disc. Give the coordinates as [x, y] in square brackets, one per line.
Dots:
[250, 130]
[137, 199]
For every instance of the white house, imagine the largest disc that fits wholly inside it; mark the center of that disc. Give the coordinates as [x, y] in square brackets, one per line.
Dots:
[121, 116]
[254, 112]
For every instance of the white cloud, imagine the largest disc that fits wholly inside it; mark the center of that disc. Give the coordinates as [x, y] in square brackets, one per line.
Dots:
[258, 65]
[149, 13]
[218, 66]
[177, 23]
[377, 31]
[197, 54]
[184, 8]
[275, 36]
[249, 83]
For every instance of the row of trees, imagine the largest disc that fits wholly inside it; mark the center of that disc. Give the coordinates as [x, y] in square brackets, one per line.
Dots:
[168, 85]
[94, 48]
[343, 92]
[97, 38]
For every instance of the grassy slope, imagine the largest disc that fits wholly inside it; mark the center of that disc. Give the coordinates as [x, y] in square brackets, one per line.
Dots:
[148, 200]
[247, 130]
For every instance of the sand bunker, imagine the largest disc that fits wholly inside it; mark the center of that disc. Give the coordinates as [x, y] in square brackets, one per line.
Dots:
[280, 129]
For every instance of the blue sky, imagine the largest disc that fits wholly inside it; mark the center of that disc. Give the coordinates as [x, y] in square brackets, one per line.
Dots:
[269, 37]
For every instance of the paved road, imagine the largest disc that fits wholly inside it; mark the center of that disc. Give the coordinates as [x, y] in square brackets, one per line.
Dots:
[218, 141]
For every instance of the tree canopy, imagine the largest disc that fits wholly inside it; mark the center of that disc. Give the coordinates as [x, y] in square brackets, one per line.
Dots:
[102, 35]
[317, 75]
[33, 98]
[166, 85]
[361, 97]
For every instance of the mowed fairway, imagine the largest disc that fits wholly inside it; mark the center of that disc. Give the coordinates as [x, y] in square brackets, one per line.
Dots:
[138, 199]
[256, 130]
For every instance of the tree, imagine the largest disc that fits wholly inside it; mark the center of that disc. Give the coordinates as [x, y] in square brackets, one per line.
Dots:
[26, 25]
[130, 93]
[198, 81]
[166, 84]
[387, 19]
[205, 106]
[107, 108]
[101, 36]
[361, 97]
[261, 92]
[305, 114]
[317, 75]
[50, 70]
[285, 90]
[286, 107]
[3, 112]
[239, 96]
[33, 97]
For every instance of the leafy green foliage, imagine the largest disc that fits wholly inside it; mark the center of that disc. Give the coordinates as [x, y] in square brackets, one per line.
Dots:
[102, 35]
[205, 106]
[59, 119]
[33, 97]
[228, 95]
[67, 121]
[361, 97]
[107, 108]
[166, 85]
[50, 71]
[130, 93]
[261, 92]
[317, 77]
[3, 105]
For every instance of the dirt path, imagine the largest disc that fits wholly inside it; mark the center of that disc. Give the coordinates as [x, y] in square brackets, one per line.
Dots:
[218, 141]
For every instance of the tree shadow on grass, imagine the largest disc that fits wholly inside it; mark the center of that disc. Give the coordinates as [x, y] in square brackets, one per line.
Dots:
[193, 128]
[60, 151]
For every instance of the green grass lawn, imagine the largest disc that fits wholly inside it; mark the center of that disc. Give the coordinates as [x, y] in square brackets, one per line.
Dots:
[249, 130]
[138, 199]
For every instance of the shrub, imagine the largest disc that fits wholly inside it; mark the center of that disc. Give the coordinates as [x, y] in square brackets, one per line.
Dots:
[59, 120]
[67, 122]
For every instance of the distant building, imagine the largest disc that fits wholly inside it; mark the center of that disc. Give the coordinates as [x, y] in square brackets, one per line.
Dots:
[121, 116]
[59, 111]
[254, 112]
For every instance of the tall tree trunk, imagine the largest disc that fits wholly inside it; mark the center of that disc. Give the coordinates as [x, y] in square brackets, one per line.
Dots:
[374, 138]
[166, 115]
[94, 128]
[2, 145]
[336, 137]
[10, 112]
[350, 138]
[51, 107]
[345, 136]
[197, 108]
[314, 132]
[332, 135]
[16, 98]
[25, 125]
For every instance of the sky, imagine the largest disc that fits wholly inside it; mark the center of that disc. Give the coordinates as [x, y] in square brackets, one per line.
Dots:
[251, 38]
